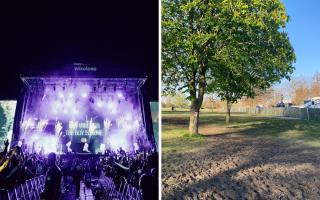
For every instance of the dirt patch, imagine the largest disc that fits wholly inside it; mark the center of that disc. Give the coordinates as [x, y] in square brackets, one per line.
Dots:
[218, 130]
[242, 167]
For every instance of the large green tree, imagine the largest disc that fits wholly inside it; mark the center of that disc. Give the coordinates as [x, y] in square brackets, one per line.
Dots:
[214, 45]
[257, 53]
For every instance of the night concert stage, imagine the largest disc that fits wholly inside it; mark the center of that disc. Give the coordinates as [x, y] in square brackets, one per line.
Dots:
[83, 115]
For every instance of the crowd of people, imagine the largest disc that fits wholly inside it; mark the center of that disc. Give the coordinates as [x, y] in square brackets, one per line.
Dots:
[17, 166]
[139, 169]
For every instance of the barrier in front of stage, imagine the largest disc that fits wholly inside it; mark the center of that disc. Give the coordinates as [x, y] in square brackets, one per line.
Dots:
[126, 191]
[30, 189]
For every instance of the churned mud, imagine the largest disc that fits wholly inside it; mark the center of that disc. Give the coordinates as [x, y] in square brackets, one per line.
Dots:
[238, 166]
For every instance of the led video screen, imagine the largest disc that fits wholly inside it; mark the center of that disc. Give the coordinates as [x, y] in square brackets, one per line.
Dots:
[7, 111]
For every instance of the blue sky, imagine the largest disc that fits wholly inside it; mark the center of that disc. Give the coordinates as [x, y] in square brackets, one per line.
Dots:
[304, 33]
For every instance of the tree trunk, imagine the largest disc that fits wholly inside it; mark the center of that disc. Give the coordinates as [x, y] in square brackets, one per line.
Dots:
[196, 99]
[229, 104]
[212, 106]
[194, 123]
[194, 119]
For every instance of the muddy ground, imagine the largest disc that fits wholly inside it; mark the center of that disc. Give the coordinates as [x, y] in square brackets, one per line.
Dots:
[240, 166]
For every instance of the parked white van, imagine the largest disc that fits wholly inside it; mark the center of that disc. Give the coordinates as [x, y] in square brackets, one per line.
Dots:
[313, 103]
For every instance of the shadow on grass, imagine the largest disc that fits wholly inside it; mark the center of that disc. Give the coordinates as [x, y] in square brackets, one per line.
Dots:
[176, 139]
[278, 151]
[251, 125]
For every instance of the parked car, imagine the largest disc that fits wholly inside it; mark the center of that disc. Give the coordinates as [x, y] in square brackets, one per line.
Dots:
[312, 103]
[280, 105]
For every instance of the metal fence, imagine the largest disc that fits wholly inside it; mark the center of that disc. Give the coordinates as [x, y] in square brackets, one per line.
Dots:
[126, 191]
[262, 111]
[30, 189]
[312, 114]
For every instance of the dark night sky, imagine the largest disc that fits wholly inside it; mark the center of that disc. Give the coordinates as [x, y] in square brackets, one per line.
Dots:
[46, 37]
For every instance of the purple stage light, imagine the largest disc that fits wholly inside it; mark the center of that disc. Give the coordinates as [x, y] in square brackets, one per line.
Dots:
[68, 103]
[73, 125]
[49, 143]
[57, 128]
[54, 111]
[42, 124]
[114, 110]
[102, 148]
[136, 125]
[28, 123]
[102, 119]
[84, 94]
[61, 95]
[100, 103]
[65, 111]
[110, 105]
[120, 95]
[35, 137]
[75, 111]
[71, 95]
[128, 117]
[42, 140]
[68, 146]
[83, 90]
[56, 104]
[117, 140]
[107, 124]
[121, 122]
[136, 146]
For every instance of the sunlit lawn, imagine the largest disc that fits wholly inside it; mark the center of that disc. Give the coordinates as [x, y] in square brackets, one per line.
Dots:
[175, 137]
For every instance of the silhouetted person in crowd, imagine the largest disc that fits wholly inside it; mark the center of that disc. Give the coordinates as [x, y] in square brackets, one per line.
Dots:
[53, 179]
[121, 151]
[24, 146]
[10, 168]
[148, 182]
[33, 147]
[4, 152]
[41, 151]
[77, 173]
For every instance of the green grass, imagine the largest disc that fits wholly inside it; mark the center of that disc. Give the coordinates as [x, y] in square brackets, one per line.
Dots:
[177, 139]
[175, 136]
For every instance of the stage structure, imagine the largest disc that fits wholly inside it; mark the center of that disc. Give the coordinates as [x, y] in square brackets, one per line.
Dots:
[83, 115]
